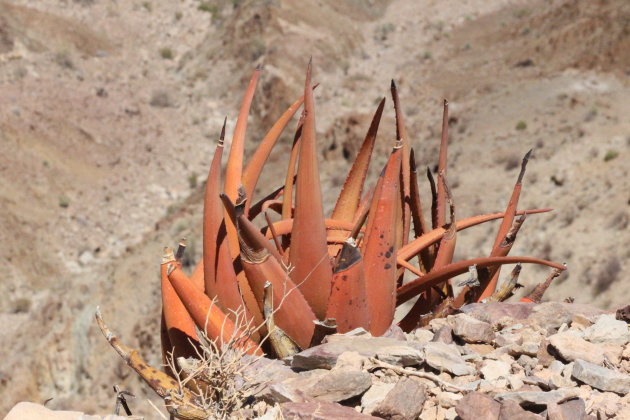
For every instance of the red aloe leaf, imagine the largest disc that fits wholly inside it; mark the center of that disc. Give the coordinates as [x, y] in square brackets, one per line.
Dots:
[254, 167]
[379, 251]
[488, 286]
[350, 196]
[234, 167]
[413, 288]
[293, 313]
[208, 316]
[419, 224]
[441, 191]
[179, 326]
[287, 197]
[401, 134]
[348, 300]
[312, 271]
[414, 247]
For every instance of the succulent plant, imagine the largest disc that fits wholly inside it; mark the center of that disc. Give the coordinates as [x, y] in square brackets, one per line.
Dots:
[304, 275]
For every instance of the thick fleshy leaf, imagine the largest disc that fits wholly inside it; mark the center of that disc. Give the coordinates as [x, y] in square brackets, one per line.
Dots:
[441, 191]
[379, 251]
[287, 196]
[444, 257]
[312, 271]
[348, 300]
[414, 247]
[180, 328]
[401, 134]
[208, 316]
[488, 285]
[350, 196]
[234, 167]
[254, 167]
[292, 312]
[420, 226]
[413, 288]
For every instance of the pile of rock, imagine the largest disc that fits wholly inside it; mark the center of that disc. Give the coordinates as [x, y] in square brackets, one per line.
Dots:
[502, 361]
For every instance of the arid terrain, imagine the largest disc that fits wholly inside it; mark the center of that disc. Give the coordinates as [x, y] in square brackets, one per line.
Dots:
[110, 111]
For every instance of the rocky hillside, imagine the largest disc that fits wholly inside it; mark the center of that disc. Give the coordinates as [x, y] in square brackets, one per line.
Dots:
[111, 110]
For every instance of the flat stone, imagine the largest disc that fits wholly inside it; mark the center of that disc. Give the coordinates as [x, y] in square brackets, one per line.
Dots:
[32, 411]
[403, 402]
[511, 410]
[568, 410]
[401, 355]
[551, 315]
[320, 410]
[340, 385]
[537, 398]
[495, 369]
[443, 357]
[324, 356]
[572, 347]
[478, 406]
[472, 330]
[608, 329]
[495, 312]
[600, 377]
[375, 395]
[395, 332]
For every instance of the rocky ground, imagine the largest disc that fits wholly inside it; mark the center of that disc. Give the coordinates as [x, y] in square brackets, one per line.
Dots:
[505, 361]
[110, 111]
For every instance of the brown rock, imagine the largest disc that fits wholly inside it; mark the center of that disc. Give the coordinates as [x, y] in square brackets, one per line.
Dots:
[340, 385]
[321, 410]
[403, 402]
[478, 406]
[495, 311]
[443, 335]
[325, 355]
[568, 410]
[510, 410]
[472, 330]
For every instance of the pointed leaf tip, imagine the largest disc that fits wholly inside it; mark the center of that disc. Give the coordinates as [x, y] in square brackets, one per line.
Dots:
[524, 166]
[393, 85]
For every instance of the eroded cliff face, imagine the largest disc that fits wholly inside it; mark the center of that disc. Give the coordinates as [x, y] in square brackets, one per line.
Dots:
[110, 111]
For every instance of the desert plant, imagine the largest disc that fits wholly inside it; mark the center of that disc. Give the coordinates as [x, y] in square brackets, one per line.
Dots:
[330, 274]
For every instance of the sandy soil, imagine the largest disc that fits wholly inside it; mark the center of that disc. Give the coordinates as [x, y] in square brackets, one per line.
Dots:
[110, 112]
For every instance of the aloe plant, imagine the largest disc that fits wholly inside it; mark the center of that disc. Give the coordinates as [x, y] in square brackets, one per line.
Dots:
[306, 275]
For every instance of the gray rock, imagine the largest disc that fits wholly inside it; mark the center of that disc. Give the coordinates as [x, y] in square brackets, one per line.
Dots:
[321, 410]
[478, 406]
[572, 347]
[325, 355]
[551, 315]
[403, 402]
[401, 355]
[443, 357]
[534, 398]
[601, 378]
[340, 385]
[608, 329]
[472, 330]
